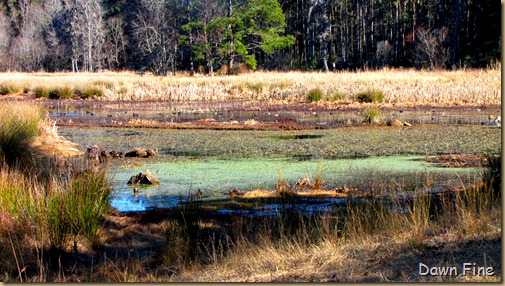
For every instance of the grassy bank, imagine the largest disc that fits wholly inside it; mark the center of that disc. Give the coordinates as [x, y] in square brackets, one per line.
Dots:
[46, 202]
[369, 242]
[395, 86]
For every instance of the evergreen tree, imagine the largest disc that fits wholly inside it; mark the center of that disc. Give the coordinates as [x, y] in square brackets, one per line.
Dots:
[257, 26]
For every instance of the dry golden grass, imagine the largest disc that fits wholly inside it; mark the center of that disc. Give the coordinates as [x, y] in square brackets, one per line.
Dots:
[258, 193]
[50, 143]
[389, 255]
[400, 86]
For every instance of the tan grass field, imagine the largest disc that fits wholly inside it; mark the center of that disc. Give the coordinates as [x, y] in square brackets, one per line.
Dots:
[400, 86]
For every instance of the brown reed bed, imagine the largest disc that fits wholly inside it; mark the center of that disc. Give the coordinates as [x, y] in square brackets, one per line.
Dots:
[396, 86]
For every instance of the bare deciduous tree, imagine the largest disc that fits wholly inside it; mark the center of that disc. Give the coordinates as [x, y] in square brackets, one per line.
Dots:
[156, 35]
[87, 34]
[431, 50]
[115, 42]
[4, 42]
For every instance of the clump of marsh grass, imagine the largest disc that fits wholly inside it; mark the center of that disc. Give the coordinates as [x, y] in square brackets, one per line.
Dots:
[372, 115]
[315, 94]
[9, 88]
[336, 95]
[256, 86]
[89, 92]
[362, 220]
[4, 89]
[48, 216]
[370, 95]
[37, 211]
[182, 235]
[61, 92]
[477, 205]
[20, 125]
[491, 176]
[75, 209]
[319, 175]
[104, 83]
[41, 92]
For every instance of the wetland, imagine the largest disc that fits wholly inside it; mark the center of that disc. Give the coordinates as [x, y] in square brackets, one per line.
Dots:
[218, 161]
[256, 185]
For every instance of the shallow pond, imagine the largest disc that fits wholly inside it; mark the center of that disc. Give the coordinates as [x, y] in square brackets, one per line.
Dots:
[217, 161]
[344, 142]
[215, 178]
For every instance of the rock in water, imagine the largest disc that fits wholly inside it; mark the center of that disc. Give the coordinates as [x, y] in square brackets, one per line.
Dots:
[394, 122]
[141, 152]
[143, 178]
[98, 154]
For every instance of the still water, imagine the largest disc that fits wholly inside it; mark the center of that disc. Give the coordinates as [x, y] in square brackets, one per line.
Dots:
[215, 178]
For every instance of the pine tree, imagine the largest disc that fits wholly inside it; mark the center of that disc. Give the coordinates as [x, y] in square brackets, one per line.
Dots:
[256, 26]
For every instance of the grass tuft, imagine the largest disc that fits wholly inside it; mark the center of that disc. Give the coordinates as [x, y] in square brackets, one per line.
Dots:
[315, 94]
[89, 92]
[336, 95]
[20, 125]
[77, 208]
[61, 92]
[371, 95]
[491, 177]
[4, 90]
[371, 115]
[41, 91]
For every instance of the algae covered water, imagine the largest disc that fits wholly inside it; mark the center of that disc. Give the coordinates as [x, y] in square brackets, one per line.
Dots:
[216, 161]
[215, 178]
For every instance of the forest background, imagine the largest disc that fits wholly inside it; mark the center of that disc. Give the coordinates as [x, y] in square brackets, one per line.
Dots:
[228, 36]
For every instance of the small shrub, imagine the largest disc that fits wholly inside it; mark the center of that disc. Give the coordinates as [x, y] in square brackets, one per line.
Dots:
[41, 92]
[315, 94]
[371, 115]
[371, 95]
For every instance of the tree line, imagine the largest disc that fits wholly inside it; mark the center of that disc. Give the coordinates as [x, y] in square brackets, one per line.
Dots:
[166, 36]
